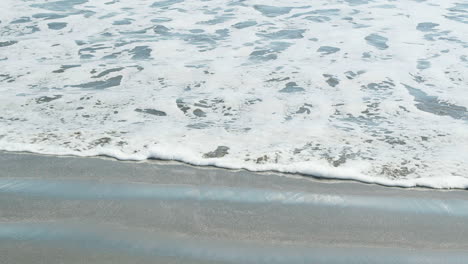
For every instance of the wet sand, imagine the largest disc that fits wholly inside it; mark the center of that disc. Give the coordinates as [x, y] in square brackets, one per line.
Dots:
[99, 210]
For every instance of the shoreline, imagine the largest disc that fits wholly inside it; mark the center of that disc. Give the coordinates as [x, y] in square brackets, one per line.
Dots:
[402, 184]
[82, 210]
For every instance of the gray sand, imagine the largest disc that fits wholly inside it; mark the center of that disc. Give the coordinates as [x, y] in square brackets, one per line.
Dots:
[97, 210]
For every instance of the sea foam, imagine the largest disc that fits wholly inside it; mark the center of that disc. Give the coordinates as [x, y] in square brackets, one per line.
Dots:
[374, 90]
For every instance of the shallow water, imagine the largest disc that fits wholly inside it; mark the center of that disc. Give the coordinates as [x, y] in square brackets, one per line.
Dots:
[371, 90]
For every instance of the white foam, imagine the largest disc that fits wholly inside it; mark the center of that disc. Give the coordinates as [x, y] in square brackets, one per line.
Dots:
[388, 107]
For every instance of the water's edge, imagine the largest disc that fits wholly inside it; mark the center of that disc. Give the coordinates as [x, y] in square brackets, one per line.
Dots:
[415, 184]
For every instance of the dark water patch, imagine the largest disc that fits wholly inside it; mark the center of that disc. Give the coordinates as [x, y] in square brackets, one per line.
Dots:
[385, 6]
[217, 20]
[459, 7]
[80, 42]
[199, 113]
[141, 31]
[340, 160]
[366, 55]
[426, 26]
[166, 3]
[182, 106]
[21, 20]
[279, 46]
[86, 56]
[291, 87]
[49, 16]
[320, 12]
[161, 19]
[464, 58]
[272, 11]
[125, 21]
[138, 67]
[396, 172]
[253, 101]
[151, 111]
[8, 43]
[458, 13]
[56, 25]
[331, 80]
[12, 79]
[160, 29]
[278, 79]
[33, 29]
[244, 24]
[196, 66]
[351, 75]
[377, 41]
[85, 13]
[270, 52]
[360, 25]
[63, 68]
[91, 49]
[8, 78]
[100, 142]
[382, 86]
[202, 103]
[201, 40]
[46, 99]
[204, 41]
[393, 140]
[237, 3]
[357, 2]
[284, 34]
[305, 109]
[219, 152]
[326, 50]
[98, 85]
[423, 64]
[222, 33]
[104, 73]
[111, 56]
[318, 19]
[65, 5]
[19, 30]
[262, 159]
[141, 53]
[196, 30]
[432, 104]
[418, 78]
[109, 15]
[199, 125]
[211, 11]
[455, 40]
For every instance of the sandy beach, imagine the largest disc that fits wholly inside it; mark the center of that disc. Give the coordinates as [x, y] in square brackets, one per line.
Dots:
[100, 210]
